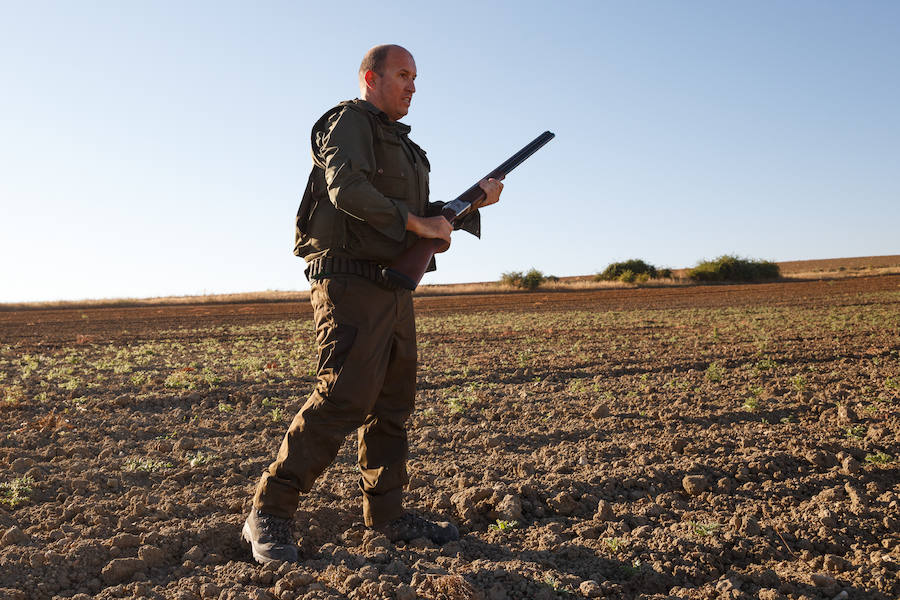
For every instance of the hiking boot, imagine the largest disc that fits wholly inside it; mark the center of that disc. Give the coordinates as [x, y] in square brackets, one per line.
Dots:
[409, 527]
[269, 537]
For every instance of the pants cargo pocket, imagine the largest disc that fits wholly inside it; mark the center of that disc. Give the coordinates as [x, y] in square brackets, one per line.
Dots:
[334, 338]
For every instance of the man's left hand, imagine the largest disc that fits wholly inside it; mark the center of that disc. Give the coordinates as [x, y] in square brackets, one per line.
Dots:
[492, 188]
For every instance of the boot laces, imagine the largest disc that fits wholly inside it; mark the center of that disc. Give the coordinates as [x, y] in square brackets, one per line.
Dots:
[277, 528]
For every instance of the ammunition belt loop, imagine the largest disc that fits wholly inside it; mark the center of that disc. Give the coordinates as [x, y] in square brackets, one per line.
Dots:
[324, 267]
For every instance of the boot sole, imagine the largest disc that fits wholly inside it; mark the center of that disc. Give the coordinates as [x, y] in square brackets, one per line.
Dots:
[246, 537]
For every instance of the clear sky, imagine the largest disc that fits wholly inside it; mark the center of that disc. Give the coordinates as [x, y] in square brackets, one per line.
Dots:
[160, 148]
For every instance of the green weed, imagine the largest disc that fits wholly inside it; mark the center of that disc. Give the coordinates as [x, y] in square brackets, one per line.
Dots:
[16, 492]
[183, 379]
[200, 459]
[856, 432]
[704, 529]
[714, 373]
[879, 458]
[146, 465]
[502, 525]
[765, 364]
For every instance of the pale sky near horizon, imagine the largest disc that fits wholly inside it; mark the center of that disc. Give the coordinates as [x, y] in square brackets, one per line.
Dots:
[160, 148]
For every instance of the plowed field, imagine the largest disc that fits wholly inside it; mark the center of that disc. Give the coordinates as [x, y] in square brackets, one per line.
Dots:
[736, 441]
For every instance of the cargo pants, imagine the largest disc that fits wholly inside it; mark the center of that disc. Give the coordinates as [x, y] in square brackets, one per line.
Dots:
[366, 381]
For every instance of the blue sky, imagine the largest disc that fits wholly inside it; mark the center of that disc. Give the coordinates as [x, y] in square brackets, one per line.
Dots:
[159, 148]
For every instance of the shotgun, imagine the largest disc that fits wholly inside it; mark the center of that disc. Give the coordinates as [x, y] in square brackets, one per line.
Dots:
[406, 270]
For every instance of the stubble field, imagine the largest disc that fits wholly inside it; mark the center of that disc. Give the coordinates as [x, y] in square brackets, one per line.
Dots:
[700, 442]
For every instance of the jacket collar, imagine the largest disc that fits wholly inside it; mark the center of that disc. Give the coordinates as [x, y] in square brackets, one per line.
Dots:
[400, 127]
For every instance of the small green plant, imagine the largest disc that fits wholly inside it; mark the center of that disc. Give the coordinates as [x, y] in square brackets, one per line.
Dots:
[523, 358]
[200, 459]
[751, 404]
[787, 419]
[224, 407]
[269, 403]
[704, 529]
[277, 414]
[613, 544]
[139, 378]
[892, 383]
[72, 384]
[502, 525]
[714, 373]
[878, 458]
[16, 492]
[183, 378]
[856, 432]
[765, 364]
[13, 394]
[210, 378]
[146, 465]
[553, 582]
[799, 382]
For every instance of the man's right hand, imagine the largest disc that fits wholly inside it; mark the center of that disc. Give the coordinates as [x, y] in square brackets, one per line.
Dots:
[430, 227]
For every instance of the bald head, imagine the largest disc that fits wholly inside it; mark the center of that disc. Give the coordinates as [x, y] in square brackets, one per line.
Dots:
[387, 77]
[376, 57]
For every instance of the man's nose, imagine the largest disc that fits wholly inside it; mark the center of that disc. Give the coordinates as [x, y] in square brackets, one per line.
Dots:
[411, 86]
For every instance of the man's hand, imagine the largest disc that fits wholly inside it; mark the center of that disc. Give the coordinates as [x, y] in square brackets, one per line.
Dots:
[430, 227]
[492, 188]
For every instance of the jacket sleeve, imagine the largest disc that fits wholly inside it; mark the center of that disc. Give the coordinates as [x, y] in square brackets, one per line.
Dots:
[349, 159]
[471, 222]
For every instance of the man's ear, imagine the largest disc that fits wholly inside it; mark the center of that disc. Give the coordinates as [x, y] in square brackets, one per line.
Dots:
[370, 79]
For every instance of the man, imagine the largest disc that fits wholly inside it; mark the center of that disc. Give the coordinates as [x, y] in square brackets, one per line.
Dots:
[365, 203]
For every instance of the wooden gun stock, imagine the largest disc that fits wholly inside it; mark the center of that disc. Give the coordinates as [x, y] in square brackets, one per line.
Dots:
[407, 269]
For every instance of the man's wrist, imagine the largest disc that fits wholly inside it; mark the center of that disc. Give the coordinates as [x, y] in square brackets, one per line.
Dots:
[413, 223]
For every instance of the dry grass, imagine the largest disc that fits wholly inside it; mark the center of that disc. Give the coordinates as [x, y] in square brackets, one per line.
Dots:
[841, 273]
[834, 268]
[239, 298]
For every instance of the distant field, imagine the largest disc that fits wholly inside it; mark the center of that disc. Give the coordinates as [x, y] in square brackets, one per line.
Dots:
[860, 263]
[798, 269]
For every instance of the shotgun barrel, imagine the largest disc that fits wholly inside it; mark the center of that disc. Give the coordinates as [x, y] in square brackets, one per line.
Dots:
[406, 270]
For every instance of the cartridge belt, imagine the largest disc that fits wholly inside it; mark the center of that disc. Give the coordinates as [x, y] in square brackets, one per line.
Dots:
[326, 266]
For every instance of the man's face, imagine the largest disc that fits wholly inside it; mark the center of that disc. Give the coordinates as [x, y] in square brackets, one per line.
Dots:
[392, 91]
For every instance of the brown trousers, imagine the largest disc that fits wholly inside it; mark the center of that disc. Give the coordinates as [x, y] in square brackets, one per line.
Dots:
[366, 381]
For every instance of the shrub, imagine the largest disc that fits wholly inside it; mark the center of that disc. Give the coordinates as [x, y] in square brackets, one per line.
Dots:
[512, 278]
[527, 281]
[627, 271]
[532, 280]
[733, 268]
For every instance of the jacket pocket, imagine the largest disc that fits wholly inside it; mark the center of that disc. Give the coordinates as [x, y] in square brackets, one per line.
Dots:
[393, 186]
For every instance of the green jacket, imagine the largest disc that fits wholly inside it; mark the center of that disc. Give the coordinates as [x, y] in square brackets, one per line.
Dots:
[367, 177]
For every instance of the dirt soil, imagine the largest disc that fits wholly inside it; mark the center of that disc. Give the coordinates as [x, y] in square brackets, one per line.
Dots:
[736, 441]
